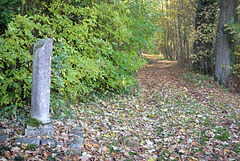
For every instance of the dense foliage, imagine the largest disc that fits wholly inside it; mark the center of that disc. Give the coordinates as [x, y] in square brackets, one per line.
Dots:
[205, 26]
[234, 32]
[96, 48]
[7, 10]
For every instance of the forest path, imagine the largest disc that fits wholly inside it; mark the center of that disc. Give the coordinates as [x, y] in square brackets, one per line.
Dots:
[197, 118]
[164, 74]
[156, 74]
[175, 115]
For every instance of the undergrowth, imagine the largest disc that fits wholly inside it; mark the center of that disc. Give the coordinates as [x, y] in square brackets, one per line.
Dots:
[95, 50]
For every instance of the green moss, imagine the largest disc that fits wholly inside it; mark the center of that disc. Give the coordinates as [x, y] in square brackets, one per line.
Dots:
[32, 147]
[33, 122]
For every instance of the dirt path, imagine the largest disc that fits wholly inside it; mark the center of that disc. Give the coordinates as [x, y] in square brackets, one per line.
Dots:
[167, 75]
[156, 74]
[204, 116]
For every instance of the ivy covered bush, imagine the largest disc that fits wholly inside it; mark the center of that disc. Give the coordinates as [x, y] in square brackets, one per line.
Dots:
[235, 31]
[96, 49]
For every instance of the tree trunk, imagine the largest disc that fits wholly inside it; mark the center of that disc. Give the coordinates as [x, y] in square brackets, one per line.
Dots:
[182, 56]
[176, 41]
[224, 47]
[165, 44]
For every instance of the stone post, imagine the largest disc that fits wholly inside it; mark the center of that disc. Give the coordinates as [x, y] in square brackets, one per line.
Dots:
[41, 88]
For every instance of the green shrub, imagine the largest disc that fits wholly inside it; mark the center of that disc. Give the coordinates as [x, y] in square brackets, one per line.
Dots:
[95, 49]
[8, 8]
[234, 31]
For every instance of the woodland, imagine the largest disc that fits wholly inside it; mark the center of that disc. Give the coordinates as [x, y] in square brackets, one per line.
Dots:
[145, 79]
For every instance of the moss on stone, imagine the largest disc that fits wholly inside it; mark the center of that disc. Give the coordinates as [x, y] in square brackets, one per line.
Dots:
[32, 147]
[33, 122]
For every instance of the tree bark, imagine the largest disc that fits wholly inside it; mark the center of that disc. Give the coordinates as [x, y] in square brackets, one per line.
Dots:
[182, 55]
[224, 47]
[176, 41]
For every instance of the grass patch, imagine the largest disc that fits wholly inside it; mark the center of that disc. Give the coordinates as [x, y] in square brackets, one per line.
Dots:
[32, 147]
[202, 80]
[199, 79]
[222, 134]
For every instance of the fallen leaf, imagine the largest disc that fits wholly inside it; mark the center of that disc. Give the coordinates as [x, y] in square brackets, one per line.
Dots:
[23, 146]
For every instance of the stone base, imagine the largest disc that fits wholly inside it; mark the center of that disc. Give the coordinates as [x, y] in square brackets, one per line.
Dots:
[28, 141]
[3, 137]
[74, 144]
[36, 141]
[76, 141]
[50, 142]
[46, 129]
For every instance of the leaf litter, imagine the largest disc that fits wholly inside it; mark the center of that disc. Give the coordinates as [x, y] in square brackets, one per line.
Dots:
[168, 119]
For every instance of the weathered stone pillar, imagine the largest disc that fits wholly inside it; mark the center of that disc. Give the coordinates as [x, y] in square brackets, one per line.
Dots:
[40, 123]
[41, 80]
[41, 89]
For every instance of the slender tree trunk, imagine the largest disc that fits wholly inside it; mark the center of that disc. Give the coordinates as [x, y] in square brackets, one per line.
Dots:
[173, 42]
[168, 42]
[172, 45]
[224, 47]
[186, 42]
[182, 57]
[167, 34]
[176, 41]
[165, 44]
[190, 43]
